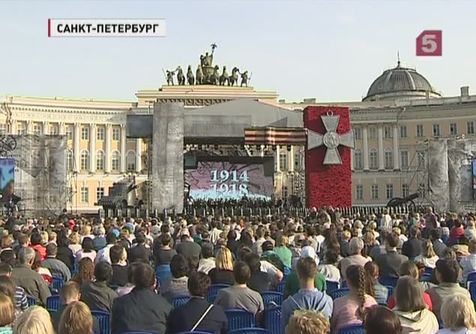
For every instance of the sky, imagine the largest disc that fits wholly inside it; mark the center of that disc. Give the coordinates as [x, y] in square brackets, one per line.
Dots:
[329, 50]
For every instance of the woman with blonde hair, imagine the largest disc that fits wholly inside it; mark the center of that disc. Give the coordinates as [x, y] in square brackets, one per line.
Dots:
[35, 320]
[223, 271]
[7, 314]
[76, 319]
[458, 315]
[74, 243]
[428, 256]
[307, 322]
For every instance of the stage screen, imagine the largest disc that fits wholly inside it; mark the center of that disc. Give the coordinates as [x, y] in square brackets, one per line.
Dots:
[473, 168]
[7, 176]
[227, 180]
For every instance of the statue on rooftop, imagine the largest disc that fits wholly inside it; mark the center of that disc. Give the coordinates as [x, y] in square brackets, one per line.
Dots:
[199, 75]
[170, 78]
[190, 78]
[244, 79]
[224, 77]
[180, 76]
[233, 78]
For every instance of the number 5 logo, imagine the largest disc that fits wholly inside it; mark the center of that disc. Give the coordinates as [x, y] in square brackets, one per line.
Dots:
[429, 43]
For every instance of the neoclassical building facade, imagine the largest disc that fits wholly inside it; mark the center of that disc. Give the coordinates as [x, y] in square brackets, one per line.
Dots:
[392, 125]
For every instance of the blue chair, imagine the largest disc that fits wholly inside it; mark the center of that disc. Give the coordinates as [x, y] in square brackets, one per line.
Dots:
[339, 293]
[31, 300]
[254, 330]
[388, 281]
[180, 300]
[281, 285]
[390, 292]
[103, 319]
[57, 282]
[471, 277]
[238, 318]
[163, 273]
[276, 298]
[472, 290]
[272, 320]
[354, 329]
[53, 303]
[331, 286]
[213, 291]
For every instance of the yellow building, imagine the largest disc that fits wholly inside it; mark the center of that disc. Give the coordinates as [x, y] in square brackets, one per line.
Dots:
[392, 125]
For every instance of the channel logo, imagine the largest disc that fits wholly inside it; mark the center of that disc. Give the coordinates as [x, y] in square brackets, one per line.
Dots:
[106, 27]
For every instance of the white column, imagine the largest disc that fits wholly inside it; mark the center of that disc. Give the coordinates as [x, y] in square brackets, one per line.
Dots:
[138, 155]
[291, 159]
[13, 127]
[396, 158]
[352, 159]
[381, 163]
[46, 130]
[29, 127]
[123, 148]
[61, 128]
[107, 153]
[366, 147]
[76, 152]
[278, 167]
[92, 148]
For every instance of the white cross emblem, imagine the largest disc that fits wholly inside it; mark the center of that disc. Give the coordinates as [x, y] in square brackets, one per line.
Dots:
[331, 139]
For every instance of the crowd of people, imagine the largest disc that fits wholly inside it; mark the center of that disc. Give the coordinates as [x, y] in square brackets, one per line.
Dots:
[393, 274]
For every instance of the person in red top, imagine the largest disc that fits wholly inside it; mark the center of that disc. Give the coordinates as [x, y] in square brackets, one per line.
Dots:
[456, 232]
[409, 268]
[36, 244]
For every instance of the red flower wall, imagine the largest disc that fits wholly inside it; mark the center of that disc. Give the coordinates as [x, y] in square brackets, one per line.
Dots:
[329, 185]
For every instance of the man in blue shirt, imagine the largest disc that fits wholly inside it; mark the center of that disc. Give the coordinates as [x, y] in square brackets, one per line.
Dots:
[308, 297]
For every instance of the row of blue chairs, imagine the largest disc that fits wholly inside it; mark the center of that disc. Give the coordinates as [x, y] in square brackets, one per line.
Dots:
[269, 298]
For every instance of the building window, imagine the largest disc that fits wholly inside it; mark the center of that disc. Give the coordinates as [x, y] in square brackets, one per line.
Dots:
[453, 129]
[470, 127]
[70, 160]
[99, 160]
[283, 161]
[359, 192]
[389, 191]
[3, 128]
[357, 133]
[54, 129]
[403, 131]
[374, 191]
[84, 195]
[405, 190]
[84, 160]
[419, 130]
[116, 133]
[404, 159]
[131, 161]
[100, 133]
[21, 128]
[421, 160]
[37, 129]
[358, 160]
[373, 159]
[116, 160]
[421, 189]
[69, 132]
[436, 130]
[387, 132]
[99, 193]
[388, 160]
[85, 133]
[298, 162]
[373, 133]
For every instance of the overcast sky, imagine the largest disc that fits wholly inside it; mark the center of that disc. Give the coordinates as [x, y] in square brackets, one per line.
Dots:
[328, 50]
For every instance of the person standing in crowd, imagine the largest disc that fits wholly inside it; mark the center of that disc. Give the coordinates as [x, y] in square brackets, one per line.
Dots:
[54, 265]
[390, 262]
[141, 309]
[197, 313]
[458, 315]
[239, 295]
[381, 320]
[97, 295]
[350, 309]
[27, 278]
[411, 308]
[308, 297]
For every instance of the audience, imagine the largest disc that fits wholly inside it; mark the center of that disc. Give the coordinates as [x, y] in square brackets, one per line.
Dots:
[207, 261]
[390, 262]
[381, 320]
[307, 322]
[54, 265]
[35, 320]
[119, 266]
[428, 256]
[76, 318]
[223, 271]
[468, 263]
[85, 272]
[96, 294]
[356, 245]
[7, 286]
[373, 287]
[7, 314]
[458, 315]
[260, 281]
[178, 283]
[292, 283]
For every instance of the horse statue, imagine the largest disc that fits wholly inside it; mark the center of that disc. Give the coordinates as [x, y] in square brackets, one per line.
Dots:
[233, 78]
[224, 78]
[170, 78]
[199, 75]
[190, 78]
[215, 76]
[180, 76]
[244, 79]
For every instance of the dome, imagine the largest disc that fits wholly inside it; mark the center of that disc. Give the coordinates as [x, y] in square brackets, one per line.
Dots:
[400, 83]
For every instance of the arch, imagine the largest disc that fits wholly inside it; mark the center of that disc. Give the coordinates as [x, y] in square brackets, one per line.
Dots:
[131, 161]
